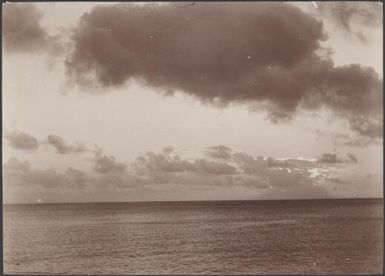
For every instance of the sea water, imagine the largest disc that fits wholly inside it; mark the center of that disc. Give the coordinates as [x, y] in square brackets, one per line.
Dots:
[214, 237]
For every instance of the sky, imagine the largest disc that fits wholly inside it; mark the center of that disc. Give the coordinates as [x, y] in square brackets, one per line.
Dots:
[212, 101]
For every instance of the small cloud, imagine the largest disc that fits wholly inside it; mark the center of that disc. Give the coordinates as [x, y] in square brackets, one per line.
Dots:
[367, 127]
[219, 152]
[352, 158]
[80, 178]
[271, 162]
[204, 166]
[62, 148]
[329, 158]
[22, 31]
[107, 164]
[168, 150]
[18, 173]
[13, 164]
[354, 141]
[335, 180]
[165, 163]
[22, 141]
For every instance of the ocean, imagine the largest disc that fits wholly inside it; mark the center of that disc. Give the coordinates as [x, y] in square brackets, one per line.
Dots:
[212, 237]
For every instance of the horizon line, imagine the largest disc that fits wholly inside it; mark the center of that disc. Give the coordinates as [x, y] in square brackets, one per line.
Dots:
[191, 201]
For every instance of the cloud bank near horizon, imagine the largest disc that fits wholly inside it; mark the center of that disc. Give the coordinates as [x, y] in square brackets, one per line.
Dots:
[267, 177]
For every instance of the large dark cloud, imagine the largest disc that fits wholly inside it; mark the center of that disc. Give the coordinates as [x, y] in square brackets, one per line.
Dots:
[22, 31]
[62, 147]
[22, 141]
[267, 53]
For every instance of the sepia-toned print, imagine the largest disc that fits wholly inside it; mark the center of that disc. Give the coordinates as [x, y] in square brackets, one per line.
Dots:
[184, 138]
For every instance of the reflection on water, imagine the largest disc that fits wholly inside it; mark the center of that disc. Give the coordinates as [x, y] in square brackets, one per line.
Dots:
[312, 236]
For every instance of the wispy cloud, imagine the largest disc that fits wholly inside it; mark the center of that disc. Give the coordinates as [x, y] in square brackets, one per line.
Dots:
[340, 139]
[348, 14]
